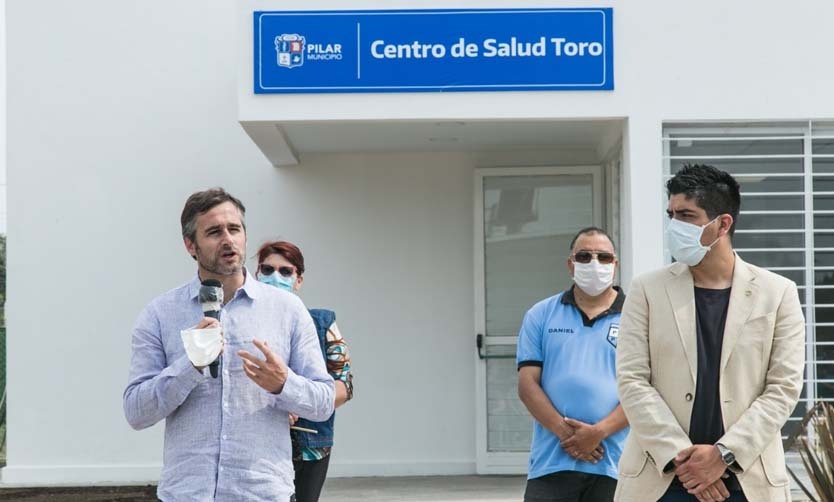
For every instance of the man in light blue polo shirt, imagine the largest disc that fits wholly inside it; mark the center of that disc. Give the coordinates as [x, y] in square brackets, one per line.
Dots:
[567, 380]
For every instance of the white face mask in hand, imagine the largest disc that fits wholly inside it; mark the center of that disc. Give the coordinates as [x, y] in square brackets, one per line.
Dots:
[202, 345]
[593, 278]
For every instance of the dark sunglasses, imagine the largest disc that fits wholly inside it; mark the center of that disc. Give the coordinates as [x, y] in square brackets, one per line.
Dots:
[586, 257]
[269, 269]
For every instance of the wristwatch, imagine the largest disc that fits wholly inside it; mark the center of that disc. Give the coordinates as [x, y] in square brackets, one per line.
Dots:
[726, 454]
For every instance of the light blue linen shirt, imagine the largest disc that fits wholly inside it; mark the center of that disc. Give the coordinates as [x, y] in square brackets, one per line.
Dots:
[226, 438]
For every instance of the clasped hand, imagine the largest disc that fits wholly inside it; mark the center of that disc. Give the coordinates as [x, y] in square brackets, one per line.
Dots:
[701, 471]
[582, 441]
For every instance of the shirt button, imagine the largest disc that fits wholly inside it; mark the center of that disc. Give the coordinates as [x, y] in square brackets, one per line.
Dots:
[688, 396]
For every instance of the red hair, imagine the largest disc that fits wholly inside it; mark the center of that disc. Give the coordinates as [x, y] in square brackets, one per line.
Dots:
[286, 249]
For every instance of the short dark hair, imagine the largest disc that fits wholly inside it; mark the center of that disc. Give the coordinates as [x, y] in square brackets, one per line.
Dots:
[200, 202]
[591, 231]
[286, 249]
[713, 190]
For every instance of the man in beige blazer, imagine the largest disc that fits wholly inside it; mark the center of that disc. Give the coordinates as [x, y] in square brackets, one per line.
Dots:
[710, 360]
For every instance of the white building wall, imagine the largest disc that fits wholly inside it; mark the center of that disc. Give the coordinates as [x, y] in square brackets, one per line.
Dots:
[388, 245]
[690, 62]
[118, 111]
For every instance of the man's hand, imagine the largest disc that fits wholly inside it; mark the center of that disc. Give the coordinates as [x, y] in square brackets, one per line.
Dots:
[564, 431]
[210, 322]
[270, 373]
[293, 419]
[584, 443]
[716, 492]
[699, 467]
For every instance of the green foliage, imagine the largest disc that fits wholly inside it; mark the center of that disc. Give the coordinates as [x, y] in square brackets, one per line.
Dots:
[815, 444]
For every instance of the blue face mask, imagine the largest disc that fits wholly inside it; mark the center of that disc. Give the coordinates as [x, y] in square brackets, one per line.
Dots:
[278, 280]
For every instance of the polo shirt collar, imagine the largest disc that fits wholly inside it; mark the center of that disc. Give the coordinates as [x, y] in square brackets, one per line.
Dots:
[568, 298]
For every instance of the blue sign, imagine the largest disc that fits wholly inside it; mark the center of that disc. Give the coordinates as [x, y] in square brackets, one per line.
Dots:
[434, 50]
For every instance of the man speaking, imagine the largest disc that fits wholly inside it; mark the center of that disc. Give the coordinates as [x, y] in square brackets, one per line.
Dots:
[226, 438]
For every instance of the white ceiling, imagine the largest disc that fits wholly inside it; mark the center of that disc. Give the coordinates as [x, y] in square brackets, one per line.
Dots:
[449, 136]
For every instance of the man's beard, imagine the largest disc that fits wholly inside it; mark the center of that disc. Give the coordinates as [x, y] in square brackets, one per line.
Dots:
[216, 265]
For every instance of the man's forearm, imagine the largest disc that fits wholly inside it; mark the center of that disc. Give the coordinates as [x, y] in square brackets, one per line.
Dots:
[147, 401]
[614, 422]
[539, 405]
[341, 393]
[308, 398]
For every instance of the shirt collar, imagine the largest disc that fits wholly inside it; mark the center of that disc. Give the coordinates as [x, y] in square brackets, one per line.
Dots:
[251, 287]
[568, 298]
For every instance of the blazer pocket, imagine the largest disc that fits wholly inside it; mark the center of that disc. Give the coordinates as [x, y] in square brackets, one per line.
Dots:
[776, 474]
[773, 463]
[632, 462]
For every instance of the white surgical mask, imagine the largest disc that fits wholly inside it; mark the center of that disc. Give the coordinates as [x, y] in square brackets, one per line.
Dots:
[202, 345]
[593, 278]
[684, 241]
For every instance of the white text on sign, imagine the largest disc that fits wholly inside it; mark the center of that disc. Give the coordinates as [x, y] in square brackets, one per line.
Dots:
[488, 48]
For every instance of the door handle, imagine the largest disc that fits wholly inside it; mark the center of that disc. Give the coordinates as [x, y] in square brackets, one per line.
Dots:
[479, 343]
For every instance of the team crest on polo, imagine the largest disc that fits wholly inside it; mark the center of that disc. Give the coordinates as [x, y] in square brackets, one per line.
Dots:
[613, 333]
[290, 49]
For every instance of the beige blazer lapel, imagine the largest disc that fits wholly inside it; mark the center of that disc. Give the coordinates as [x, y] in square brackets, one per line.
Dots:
[742, 298]
[681, 292]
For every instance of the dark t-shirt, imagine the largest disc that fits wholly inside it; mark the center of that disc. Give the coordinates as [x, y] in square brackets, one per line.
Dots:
[706, 425]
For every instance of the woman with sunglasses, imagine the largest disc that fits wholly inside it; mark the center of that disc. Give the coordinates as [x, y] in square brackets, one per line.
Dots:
[281, 264]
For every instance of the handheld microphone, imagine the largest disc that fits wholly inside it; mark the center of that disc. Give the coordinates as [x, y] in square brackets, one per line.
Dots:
[211, 298]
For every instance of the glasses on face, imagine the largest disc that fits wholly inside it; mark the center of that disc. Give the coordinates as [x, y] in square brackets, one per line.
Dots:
[603, 257]
[269, 269]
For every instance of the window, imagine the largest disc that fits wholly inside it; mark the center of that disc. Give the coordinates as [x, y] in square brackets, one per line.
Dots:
[786, 224]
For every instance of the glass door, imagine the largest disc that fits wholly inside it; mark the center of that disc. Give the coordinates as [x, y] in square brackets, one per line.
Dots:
[525, 219]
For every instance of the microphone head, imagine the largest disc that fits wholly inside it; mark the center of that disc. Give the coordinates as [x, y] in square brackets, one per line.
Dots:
[211, 291]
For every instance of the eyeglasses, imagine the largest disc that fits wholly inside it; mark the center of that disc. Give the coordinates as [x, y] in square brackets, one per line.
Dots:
[269, 270]
[603, 257]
